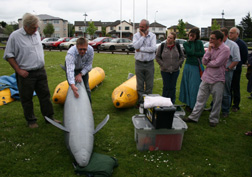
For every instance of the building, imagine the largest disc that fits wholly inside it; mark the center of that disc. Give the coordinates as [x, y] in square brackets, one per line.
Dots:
[80, 29]
[115, 29]
[174, 28]
[60, 25]
[227, 23]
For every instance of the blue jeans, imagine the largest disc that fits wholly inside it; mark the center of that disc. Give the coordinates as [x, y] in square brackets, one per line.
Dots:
[226, 100]
[169, 84]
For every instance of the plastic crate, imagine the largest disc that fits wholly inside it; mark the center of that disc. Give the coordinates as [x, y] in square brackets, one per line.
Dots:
[149, 138]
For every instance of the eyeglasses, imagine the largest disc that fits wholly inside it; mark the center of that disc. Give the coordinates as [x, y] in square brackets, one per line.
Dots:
[82, 49]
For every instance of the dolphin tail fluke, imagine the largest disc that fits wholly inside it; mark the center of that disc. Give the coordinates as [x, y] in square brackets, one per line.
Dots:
[57, 124]
[63, 67]
[99, 127]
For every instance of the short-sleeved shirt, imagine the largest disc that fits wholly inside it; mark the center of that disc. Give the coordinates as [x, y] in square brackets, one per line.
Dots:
[234, 52]
[26, 49]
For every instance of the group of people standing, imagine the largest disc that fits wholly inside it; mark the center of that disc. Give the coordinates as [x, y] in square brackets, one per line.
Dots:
[223, 60]
[221, 78]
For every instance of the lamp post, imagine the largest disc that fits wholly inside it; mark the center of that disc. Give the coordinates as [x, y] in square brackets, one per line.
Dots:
[155, 21]
[84, 30]
[222, 21]
[156, 15]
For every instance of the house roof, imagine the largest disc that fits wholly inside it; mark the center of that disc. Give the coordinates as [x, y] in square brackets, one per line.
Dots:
[155, 24]
[81, 23]
[187, 26]
[47, 17]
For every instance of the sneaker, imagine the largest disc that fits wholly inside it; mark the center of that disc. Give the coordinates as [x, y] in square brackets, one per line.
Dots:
[189, 120]
[33, 125]
[224, 115]
[234, 109]
[212, 124]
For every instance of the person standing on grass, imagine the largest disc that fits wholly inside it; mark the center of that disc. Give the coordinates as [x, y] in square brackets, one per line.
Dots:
[79, 60]
[235, 87]
[170, 58]
[25, 54]
[144, 43]
[191, 75]
[213, 79]
[233, 60]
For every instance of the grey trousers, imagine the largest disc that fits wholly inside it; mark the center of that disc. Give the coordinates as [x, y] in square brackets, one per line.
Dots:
[145, 77]
[205, 90]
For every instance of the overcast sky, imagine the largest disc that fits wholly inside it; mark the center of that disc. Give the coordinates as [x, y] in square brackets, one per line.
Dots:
[166, 12]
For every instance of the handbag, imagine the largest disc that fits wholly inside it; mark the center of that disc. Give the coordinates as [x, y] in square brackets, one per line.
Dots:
[201, 67]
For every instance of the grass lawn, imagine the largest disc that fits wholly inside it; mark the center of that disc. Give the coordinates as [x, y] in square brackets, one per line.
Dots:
[221, 151]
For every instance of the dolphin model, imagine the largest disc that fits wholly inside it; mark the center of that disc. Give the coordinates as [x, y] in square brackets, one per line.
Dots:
[79, 125]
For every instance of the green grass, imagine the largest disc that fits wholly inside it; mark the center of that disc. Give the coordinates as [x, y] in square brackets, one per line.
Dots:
[221, 151]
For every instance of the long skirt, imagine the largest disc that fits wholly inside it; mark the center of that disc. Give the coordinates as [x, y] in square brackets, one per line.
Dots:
[189, 86]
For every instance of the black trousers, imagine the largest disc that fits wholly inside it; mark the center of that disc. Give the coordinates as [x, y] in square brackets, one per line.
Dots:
[36, 81]
[235, 88]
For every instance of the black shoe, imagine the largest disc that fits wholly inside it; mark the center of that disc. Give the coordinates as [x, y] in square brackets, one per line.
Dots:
[189, 120]
[212, 124]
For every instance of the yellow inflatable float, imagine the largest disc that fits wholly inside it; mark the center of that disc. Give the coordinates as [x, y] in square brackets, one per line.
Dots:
[5, 96]
[96, 76]
[125, 95]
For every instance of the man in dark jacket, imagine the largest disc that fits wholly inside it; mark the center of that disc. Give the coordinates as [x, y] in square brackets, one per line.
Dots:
[235, 87]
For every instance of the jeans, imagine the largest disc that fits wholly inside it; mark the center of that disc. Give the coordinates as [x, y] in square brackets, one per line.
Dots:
[169, 84]
[226, 100]
[235, 88]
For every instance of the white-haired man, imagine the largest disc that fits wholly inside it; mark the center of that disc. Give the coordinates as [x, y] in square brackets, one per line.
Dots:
[25, 54]
[235, 86]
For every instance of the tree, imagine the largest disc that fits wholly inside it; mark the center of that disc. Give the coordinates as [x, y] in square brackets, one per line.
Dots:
[103, 31]
[215, 25]
[3, 24]
[48, 30]
[8, 29]
[71, 30]
[91, 29]
[181, 29]
[246, 25]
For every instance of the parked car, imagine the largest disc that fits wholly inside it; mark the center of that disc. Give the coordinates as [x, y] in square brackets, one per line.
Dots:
[56, 44]
[206, 45]
[68, 45]
[118, 43]
[96, 43]
[46, 41]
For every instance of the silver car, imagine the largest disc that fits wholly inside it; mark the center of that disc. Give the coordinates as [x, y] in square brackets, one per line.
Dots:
[68, 45]
[118, 43]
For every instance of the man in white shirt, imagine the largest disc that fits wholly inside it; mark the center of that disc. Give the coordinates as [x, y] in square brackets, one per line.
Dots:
[144, 43]
[25, 54]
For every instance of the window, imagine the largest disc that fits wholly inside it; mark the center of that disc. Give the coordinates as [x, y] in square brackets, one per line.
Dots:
[119, 28]
[57, 29]
[56, 21]
[153, 29]
[111, 28]
[127, 27]
[160, 29]
[80, 28]
[45, 22]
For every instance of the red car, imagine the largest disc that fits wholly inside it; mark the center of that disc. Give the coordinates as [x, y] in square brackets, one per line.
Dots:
[96, 43]
[55, 44]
